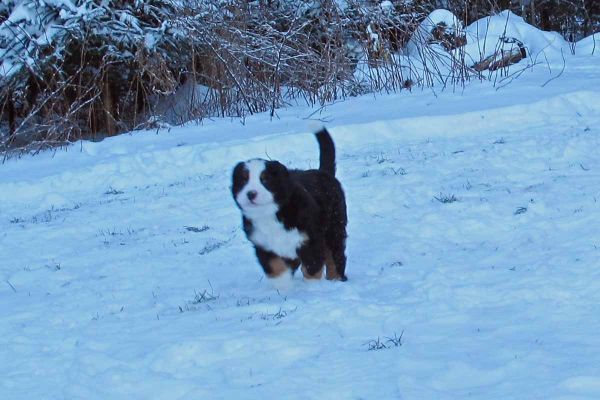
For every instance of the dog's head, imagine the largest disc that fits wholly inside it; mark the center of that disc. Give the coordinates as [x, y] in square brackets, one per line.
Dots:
[260, 184]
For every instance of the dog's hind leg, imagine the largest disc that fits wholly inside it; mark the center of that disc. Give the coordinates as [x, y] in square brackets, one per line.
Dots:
[331, 269]
[335, 256]
[339, 261]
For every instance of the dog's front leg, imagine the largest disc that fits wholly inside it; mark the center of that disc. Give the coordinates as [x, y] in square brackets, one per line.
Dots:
[312, 258]
[273, 265]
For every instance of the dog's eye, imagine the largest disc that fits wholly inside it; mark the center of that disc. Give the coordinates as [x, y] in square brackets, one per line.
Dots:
[264, 178]
[245, 175]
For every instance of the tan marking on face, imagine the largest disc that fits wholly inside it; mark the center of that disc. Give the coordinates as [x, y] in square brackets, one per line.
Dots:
[332, 273]
[318, 275]
[278, 267]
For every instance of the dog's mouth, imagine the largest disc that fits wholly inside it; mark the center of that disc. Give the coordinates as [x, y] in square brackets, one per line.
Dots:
[253, 204]
[253, 201]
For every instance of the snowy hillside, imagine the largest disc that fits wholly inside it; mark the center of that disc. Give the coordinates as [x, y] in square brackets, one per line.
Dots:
[473, 256]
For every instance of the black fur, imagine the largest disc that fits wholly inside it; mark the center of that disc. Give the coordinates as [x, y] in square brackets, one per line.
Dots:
[327, 152]
[311, 201]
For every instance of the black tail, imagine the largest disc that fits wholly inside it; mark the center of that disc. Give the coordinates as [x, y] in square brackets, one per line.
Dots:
[327, 150]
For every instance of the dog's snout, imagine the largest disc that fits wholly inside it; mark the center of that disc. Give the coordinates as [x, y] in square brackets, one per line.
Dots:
[252, 195]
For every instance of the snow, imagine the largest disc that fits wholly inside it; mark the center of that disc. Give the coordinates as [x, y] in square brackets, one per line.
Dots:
[43, 23]
[425, 60]
[440, 16]
[472, 255]
[422, 34]
[386, 5]
[484, 38]
[189, 98]
[589, 45]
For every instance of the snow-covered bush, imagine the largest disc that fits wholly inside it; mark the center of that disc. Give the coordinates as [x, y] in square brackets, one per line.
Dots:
[81, 68]
[432, 50]
[89, 68]
[574, 19]
[72, 67]
[486, 35]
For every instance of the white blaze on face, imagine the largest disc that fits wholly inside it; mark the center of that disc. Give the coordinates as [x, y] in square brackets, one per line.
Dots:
[263, 196]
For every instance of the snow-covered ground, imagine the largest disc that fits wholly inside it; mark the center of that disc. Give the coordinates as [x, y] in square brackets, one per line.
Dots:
[474, 256]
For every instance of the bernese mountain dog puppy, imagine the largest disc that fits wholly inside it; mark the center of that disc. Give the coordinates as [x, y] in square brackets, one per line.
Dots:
[294, 217]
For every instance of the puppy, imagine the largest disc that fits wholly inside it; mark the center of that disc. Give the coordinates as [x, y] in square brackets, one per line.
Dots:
[294, 217]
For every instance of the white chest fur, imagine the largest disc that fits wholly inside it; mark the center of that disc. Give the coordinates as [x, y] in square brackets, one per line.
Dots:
[270, 234]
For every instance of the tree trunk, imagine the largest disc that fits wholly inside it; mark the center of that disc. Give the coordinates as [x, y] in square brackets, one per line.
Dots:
[108, 105]
[11, 117]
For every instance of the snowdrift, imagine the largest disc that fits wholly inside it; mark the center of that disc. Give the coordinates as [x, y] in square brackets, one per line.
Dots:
[492, 43]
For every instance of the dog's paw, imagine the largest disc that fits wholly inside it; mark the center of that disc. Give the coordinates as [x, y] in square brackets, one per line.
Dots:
[283, 281]
[314, 277]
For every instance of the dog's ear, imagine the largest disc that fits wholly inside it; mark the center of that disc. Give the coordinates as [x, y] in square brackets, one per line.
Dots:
[277, 181]
[279, 169]
[238, 167]
[240, 172]
[239, 177]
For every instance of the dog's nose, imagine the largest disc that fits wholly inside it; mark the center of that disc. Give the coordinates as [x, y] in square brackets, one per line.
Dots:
[252, 195]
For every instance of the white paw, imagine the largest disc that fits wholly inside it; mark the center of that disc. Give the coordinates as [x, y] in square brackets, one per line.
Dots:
[283, 282]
